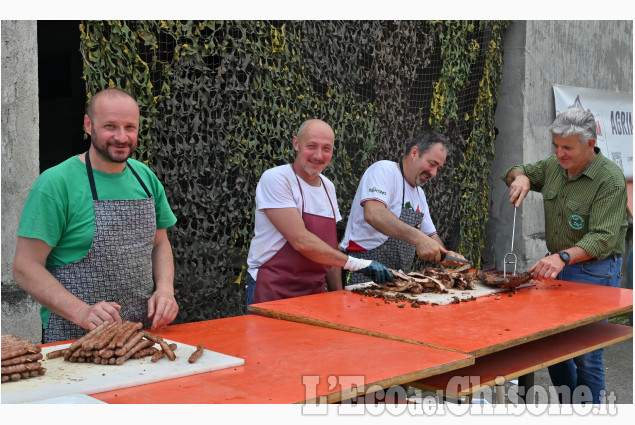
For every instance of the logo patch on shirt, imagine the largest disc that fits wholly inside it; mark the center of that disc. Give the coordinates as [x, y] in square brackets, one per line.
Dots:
[576, 222]
[374, 189]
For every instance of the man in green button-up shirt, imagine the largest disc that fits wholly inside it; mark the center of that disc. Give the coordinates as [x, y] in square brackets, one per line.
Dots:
[585, 200]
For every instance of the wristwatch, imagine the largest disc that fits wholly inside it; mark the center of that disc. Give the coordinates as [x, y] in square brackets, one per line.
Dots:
[564, 256]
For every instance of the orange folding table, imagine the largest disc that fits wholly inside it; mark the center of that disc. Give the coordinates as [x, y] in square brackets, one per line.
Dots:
[477, 327]
[287, 362]
[549, 322]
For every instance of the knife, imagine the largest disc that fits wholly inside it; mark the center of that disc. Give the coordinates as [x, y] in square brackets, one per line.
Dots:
[449, 257]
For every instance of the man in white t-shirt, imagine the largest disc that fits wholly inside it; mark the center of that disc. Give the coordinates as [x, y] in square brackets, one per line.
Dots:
[294, 248]
[390, 220]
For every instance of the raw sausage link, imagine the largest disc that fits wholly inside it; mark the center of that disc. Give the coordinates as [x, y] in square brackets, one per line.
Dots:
[57, 353]
[106, 336]
[75, 345]
[8, 370]
[19, 350]
[25, 358]
[132, 328]
[200, 349]
[106, 353]
[160, 353]
[164, 345]
[148, 351]
[139, 346]
[131, 343]
[123, 328]
[89, 344]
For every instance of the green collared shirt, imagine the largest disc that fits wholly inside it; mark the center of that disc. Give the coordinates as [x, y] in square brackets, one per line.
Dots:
[588, 211]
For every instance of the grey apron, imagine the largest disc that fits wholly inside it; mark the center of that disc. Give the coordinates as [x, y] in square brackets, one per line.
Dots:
[394, 253]
[118, 265]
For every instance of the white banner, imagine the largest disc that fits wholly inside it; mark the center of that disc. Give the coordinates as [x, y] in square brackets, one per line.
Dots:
[613, 116]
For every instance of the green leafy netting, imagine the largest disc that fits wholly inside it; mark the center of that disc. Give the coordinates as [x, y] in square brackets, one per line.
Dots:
[112, 58]
[220, 102]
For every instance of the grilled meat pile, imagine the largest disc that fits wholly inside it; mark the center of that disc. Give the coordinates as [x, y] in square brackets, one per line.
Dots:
[495, 277]
[439, 280]
[431, 279]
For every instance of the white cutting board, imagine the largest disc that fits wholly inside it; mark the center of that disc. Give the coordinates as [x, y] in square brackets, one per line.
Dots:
[451, 296]
[63, 378]
[69, 399]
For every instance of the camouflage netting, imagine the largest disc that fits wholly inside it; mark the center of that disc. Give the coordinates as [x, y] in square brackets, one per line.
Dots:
[221, 101]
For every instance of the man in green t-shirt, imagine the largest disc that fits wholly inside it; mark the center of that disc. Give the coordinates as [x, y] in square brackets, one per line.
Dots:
[584, 196]
[92, 240]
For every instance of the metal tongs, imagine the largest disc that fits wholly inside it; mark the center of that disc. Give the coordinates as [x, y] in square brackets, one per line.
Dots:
[510, 257]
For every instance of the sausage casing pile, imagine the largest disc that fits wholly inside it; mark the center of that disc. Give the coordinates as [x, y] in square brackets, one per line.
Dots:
[20, 359]
[114, 343]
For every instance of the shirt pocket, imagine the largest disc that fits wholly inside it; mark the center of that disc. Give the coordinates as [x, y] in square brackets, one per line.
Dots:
[552, 208]
[578, 214]
[549, 195]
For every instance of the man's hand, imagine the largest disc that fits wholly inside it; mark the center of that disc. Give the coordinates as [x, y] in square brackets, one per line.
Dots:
[518, 189]
[377, 272]
[453, 263]
[29, 271]
[427, 248]
[384, 221]
[162, 309]
[548, 267]
[91, 316]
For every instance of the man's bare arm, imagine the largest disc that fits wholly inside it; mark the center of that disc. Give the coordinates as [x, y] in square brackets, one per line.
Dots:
[548, 267]
[289, 223]
[384, 221]
[30, 273]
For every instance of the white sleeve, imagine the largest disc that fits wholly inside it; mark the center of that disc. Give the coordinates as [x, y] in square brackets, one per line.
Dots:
[377, 183]
[427, 226]
[274, 191]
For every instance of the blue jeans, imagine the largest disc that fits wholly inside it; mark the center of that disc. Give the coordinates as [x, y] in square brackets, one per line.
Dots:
[251, 289]
[587, 369]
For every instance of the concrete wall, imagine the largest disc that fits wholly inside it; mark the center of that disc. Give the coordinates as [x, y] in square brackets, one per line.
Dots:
[537, 54]
[20, 164]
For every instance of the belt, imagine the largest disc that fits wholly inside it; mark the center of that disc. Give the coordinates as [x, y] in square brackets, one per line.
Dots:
[613, 257]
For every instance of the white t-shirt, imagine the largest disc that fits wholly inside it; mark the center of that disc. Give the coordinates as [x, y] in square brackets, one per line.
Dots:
[383, 182]
[278, 188]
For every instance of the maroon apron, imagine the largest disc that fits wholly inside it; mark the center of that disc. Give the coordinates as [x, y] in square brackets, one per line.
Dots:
[290, 274]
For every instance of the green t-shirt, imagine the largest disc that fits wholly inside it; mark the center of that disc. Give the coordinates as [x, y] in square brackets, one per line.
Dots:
[59, 207]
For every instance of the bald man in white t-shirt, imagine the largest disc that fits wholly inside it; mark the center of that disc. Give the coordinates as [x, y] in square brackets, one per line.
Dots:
[294, 248]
